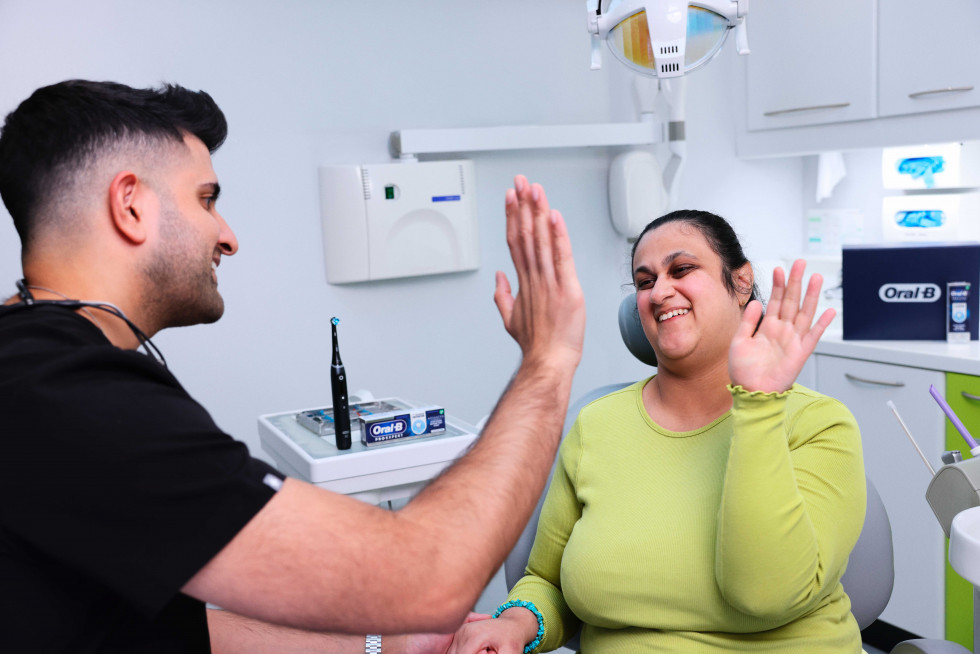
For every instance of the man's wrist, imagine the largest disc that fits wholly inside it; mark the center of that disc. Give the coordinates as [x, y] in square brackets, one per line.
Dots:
[372, 644]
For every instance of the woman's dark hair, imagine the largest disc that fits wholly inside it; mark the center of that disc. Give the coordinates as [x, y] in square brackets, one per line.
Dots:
[719, 235]
[62, 127]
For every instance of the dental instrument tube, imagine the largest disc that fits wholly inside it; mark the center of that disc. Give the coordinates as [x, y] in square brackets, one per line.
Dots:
[891, 405]
[953, 418]
[338, 386]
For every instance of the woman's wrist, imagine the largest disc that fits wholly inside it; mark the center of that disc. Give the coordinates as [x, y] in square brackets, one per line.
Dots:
[526, 619]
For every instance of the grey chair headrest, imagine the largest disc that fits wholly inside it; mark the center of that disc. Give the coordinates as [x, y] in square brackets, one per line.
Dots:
[632, 332]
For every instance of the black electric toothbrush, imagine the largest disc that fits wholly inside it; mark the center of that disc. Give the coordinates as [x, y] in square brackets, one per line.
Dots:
[338, 385]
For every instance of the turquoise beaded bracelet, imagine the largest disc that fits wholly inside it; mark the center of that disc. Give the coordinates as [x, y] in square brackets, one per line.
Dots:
[537, 614]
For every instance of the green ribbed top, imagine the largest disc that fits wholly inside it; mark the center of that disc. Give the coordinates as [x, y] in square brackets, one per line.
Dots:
[728, 538]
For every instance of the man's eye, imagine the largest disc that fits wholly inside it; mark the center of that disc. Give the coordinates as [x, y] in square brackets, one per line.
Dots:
[209, 202]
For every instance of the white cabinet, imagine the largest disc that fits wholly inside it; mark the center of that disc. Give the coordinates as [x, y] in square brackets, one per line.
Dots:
[928, 54]
[918, 600]
[852, 74]
[811, 62]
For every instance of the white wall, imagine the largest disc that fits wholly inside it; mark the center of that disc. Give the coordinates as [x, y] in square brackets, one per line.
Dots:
[860, 189]
[305, 83]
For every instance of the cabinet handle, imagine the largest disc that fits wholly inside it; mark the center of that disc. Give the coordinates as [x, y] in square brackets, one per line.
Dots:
[872, 381]
[969, 396]
[779, 112]
[948, 89]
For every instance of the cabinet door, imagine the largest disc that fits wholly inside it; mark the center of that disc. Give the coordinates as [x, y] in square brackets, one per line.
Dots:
[917, 603]
[811, 62]
[963, 396]
[927, 53]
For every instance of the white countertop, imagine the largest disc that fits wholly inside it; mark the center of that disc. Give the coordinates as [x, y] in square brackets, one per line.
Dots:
[932, 355]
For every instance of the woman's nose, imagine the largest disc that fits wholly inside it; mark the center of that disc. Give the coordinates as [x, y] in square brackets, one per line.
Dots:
[662, 290]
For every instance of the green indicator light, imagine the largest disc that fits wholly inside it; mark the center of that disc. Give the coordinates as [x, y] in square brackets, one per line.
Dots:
[389, 193]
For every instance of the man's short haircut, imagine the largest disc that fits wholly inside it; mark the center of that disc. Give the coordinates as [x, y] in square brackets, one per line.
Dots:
[64, 127]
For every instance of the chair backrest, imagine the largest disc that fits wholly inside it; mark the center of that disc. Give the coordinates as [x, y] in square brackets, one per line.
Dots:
[870, 571]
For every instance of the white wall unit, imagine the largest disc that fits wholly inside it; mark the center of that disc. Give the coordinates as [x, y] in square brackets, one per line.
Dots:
[927, 56]
[918, 601]
[893, 49]
[808, 66]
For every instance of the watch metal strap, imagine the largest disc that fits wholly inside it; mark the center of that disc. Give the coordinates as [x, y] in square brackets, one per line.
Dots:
[372, 644]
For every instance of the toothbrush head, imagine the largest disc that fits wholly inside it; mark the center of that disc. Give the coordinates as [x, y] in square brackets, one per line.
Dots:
[335, 321]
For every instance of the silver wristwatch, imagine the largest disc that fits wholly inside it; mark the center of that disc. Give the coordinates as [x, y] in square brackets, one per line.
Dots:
[372, 644]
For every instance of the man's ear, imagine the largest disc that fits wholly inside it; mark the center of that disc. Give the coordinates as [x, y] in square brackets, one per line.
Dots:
[127, 203]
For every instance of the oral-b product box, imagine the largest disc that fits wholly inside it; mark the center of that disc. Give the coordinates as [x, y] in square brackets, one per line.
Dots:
[957, 312]
[897, 291]
[399, 426]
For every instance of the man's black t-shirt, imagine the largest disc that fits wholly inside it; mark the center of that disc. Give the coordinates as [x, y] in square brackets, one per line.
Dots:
[115, 489]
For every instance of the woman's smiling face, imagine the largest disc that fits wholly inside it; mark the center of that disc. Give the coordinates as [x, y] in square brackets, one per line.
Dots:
[685, 307]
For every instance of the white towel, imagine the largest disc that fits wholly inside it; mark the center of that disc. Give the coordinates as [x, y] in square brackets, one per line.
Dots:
[830, 171]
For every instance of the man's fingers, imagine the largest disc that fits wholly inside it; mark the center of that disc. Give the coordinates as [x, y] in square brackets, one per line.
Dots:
[526, 227]
[513, 211]
[504, 299]
[562, 250]
[543, 232]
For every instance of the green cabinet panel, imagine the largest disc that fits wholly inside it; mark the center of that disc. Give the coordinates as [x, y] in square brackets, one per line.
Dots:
[959, 592]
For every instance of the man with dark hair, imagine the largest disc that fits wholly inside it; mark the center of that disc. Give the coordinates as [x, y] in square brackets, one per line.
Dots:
[125, 507]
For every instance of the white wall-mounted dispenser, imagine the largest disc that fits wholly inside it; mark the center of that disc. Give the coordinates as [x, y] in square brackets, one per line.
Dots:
[398, 220]
[938, 166]
[931, 217]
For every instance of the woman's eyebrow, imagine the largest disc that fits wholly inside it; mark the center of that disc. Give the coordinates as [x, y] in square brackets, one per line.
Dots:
[666, 261]
[678, 253]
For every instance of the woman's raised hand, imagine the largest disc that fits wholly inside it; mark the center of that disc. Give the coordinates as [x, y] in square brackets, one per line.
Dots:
[769, 359]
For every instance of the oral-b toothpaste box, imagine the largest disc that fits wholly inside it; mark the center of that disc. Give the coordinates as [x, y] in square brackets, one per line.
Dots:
[897, 291]
[402, 425]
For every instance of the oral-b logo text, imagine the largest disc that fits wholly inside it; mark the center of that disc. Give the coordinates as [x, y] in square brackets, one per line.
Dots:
[386, 428]
[909, 293]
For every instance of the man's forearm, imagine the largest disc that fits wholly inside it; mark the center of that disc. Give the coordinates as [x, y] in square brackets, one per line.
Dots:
[499, 481]
[234, 634]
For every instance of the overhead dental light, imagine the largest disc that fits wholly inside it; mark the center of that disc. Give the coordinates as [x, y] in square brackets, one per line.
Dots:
[666, 38]
[660, 39]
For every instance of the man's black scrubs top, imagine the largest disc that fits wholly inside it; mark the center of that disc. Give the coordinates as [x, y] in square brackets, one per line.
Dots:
[115, 489]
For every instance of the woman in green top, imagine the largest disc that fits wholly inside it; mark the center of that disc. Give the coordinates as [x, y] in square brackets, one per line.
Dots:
[711, 507]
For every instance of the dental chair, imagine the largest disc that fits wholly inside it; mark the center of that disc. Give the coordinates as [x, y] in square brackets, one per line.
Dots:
[870, 573]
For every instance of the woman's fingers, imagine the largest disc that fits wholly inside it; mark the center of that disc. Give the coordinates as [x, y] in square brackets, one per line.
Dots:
[810, 301]
[790, 305]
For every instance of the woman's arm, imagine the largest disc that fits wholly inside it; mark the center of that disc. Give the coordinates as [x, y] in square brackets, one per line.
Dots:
[541, 584]
[794, 493]
[792, 503]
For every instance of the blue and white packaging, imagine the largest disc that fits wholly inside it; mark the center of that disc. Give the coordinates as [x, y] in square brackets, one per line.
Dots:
[399, 426]
[957, 312]
[897, 291]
